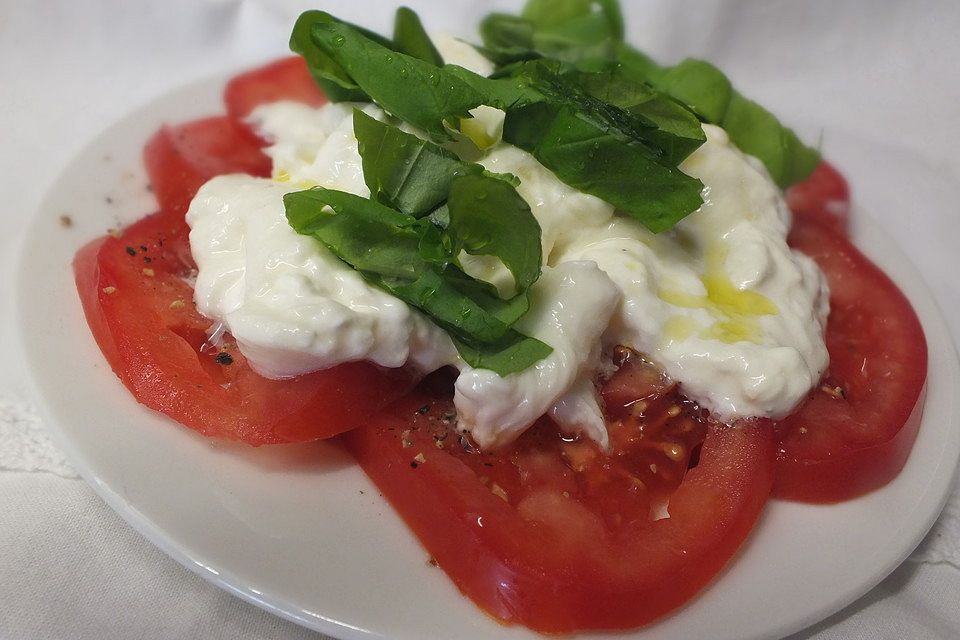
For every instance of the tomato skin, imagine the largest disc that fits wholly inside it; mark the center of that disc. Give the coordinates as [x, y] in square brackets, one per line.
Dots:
[823, 197]
[855, 432]
[284, 79]
[180, 159]
[142, 314]
[548, 562]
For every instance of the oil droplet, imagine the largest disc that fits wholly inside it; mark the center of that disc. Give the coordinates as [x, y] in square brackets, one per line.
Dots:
[388, 59]
[338, 41]
[434, 78]
[404, 73]
[482, 195]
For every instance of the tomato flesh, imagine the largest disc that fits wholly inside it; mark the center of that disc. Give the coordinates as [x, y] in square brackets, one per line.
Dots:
[855, 431]
[140, 308]
[284, 79]
[141, 312]
[180, 159]
[559, 541]
[823, 197]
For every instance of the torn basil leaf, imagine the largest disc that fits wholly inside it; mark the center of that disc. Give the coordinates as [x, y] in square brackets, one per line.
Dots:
[403, 171]
[589, 34]
[755, 131]
[411, 38]
[335, 82]
[562, 29]
[415, 260]
[603, 150]
[513, 354]
[626, 156]
[488, 217]
[672, 128]
[411, 89]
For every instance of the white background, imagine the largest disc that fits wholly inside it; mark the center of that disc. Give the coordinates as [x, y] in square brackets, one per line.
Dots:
[876, 82]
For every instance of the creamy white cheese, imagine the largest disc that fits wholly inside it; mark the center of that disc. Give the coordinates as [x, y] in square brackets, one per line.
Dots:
[292, 306]
[719, 302]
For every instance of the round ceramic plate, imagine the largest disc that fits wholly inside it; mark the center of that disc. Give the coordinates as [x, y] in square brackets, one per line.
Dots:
[300, 531]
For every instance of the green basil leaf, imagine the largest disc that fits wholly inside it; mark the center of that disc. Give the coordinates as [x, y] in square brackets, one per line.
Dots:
[500, 92]
[411, 38]
[708, 92]
[388, 249]
[563, 29]
[458, 314]
[336, 84]
[418, 92]
[553, 13]
[488, 217]
[673, 128]
[603, 150]
[590, 34]
[757, 132]
[404, 171]
[699, 85]
[485, 294]
[514, 353]
[372, 238]
[506, 38]
[600, 161]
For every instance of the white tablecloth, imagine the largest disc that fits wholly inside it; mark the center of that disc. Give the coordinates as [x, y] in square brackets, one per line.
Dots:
[877, 82]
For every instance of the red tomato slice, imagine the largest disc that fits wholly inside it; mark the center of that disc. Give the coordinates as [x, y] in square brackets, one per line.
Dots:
[823, 197]
[856, 430]
[285, 79]
[179, 159]
[141, 312]
[558, 539]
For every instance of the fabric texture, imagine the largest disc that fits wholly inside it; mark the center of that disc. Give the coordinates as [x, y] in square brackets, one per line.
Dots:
[876, 85]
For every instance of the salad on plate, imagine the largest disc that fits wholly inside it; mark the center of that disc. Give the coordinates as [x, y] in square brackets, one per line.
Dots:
[577, 314]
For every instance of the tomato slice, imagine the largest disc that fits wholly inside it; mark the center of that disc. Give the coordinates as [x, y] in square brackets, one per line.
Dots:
[532, 537]
[180, 159]
[284, 79]
[823, 197]
[856, 430]
[140, 309]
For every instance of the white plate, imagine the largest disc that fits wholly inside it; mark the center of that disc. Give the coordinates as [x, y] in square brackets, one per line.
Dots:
[300, 531]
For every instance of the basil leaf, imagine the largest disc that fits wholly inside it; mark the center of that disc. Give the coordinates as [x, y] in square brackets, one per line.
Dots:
[488, 217]
[563, 29]
[514, 353]
[404, 171]
[385, 247]
[478, 211]
[506, 38]
[755, 131]
[673, 128]
[418, 92]
[590, 34]
[553, 13]
[603, 150]
[458, 314]
[500, 92]
[336, 84]
[699, 85]
[372, 238]
[411, 38]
